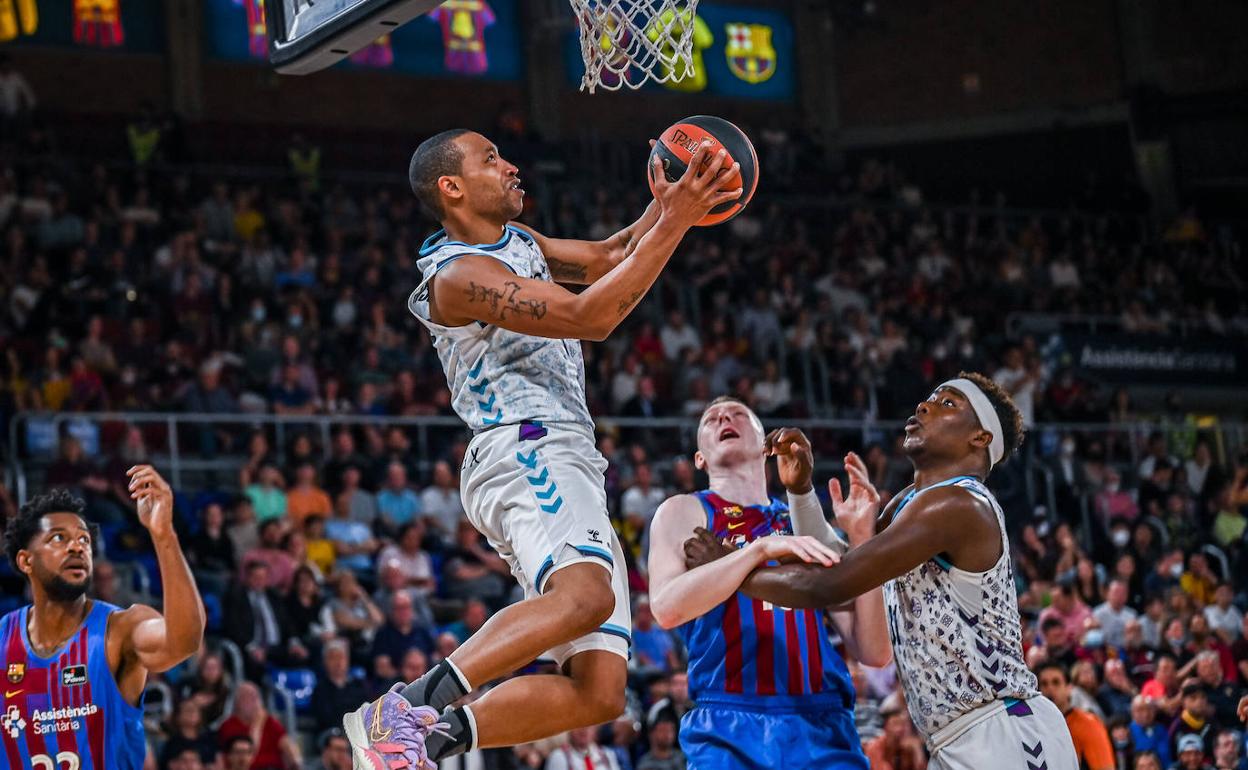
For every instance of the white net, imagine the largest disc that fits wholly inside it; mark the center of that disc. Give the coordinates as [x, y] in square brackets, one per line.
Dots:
[627, 42]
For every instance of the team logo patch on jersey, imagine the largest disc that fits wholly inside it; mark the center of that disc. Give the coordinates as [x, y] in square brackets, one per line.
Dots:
[733, 511]
[17, 672]
[74, 675]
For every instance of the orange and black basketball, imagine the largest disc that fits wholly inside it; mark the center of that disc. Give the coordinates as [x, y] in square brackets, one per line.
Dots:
[677, 144]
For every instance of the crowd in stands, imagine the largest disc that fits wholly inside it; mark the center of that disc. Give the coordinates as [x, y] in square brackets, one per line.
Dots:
[150, 289]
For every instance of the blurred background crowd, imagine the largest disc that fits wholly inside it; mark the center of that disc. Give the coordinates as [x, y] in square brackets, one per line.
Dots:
[331, 546]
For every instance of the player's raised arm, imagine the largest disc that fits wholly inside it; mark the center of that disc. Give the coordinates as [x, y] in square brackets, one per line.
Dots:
[160, 642]
[677, 594]
[943, 521]
[478, 288]
[583, 262]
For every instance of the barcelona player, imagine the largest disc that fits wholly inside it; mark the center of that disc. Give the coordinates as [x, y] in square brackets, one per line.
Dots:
[76, 667]
[771, 690]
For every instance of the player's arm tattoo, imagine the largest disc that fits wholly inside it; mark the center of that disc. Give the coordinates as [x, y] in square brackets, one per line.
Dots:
[627, 304]
[506, 300]
[566, 271]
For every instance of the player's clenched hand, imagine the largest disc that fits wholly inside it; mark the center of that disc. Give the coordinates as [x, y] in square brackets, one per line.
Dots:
[155, 499]
[689, 198]
[857, 511]
[704, 548]
[794, 548]
[794, 459]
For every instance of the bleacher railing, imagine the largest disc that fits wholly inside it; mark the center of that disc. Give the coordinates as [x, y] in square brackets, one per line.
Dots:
[192, 447]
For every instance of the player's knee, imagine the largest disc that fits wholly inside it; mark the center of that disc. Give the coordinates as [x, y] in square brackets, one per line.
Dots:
[604, 705]
[587, 597]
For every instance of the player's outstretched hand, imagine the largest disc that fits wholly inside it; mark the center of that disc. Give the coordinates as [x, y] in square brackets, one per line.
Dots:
[787, 548]
[155, 499]
[704, 548]
[857, 511]
[689, 198]
[794, 459]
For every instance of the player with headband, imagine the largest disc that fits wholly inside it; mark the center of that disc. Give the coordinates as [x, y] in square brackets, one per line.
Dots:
[943, 557]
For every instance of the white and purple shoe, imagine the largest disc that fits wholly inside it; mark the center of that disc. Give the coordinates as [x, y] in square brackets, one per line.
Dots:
[389, 733]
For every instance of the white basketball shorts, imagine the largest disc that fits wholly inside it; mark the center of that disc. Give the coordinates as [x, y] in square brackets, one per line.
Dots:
[1024, 734]
[537, 494]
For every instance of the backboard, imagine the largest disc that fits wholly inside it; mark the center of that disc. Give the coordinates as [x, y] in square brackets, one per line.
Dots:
[306, 36]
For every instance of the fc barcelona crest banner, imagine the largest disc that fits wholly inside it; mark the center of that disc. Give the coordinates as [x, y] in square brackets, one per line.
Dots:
[741, 52]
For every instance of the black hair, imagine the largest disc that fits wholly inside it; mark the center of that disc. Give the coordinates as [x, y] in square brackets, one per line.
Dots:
[1194, 689]
[26, 524]
[1051, 623]
[436, 157]
[1007, 412]
[1054, 665]
[236, 739]
[322, 741]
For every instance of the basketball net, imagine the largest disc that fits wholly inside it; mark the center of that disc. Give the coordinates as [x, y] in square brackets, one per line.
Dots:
[627, 42]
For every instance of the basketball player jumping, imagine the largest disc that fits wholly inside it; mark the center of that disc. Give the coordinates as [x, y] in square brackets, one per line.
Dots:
[76, 667]
[756, 669]
[943, 557]
[510, 341]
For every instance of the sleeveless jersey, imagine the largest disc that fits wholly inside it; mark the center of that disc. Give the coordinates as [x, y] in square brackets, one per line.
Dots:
[64, 712]
[496, 376]
[956, 634]
[749, 649]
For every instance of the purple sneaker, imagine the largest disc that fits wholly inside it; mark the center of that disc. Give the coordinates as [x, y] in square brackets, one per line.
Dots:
[389, 733]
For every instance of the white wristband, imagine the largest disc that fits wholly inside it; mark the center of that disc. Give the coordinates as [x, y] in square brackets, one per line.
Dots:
[806, 513]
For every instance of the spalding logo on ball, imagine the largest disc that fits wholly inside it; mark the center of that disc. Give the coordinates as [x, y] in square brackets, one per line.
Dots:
[677, 144]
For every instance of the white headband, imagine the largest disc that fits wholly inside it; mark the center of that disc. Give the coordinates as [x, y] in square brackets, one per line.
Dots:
[983, 409]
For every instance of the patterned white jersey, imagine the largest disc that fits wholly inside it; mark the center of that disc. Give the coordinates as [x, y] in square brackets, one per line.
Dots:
[956, 634]
[496, 376]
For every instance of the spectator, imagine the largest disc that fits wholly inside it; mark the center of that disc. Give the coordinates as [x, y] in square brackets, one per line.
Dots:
[1070, 609]
[268, 495]
[1189, 749]
[210, 688]
[355, 615]
[211, 551]
[1228, 751]
[897, 748]
[1113, 504]
[474, 617]
[186, 731]
[581, 751]
[335, 750]
[440, 505]
[1163, 688]
[1117, 693]
[238, 752]
[397, 504]
[306, 498]
[663, 753]
[1224, 618]
[1114, 614]
[1146, 734]
[352, 539]
[1021, 379]
[772, 392]
[677, 336]
[276, 750]
[1193, 721]
[320, 549]
[361, 505]
[337, 692]
[1223, 693]
[310, 620]
[676, 703]
[407, 554]
[279, 564]
[653, 647]
[399, 634]
[642, 498]
[1092, 745]
[473, 570]
[255, 621]
[17, 98]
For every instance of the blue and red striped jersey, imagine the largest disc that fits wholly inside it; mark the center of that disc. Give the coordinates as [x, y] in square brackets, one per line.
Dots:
[64, 712]
[752, 649]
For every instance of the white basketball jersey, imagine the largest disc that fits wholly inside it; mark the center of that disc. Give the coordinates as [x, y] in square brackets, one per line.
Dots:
[956, 634]
[496, 376]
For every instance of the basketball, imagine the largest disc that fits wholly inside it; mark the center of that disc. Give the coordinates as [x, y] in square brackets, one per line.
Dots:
[677, 144]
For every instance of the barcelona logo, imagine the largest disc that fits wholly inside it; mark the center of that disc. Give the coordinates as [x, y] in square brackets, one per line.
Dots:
[750, 54]
[17, 672]
[733, 511]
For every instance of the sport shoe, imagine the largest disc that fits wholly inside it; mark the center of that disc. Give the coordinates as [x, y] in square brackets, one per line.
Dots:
[389, 733]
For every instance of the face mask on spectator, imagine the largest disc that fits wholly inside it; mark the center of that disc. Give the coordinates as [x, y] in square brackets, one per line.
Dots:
[1112, 487]
[1121, 537]
[257, 313]
[1176, 570]
[295, 320]
[1068, 448]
